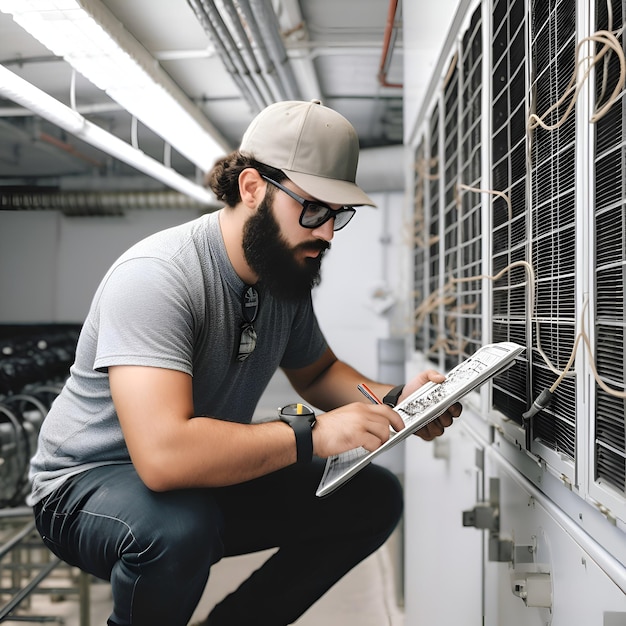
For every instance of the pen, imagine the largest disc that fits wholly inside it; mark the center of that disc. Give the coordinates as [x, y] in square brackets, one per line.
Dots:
[368, 393]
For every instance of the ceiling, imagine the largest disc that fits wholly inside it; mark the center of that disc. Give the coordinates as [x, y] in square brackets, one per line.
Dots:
[347, 53]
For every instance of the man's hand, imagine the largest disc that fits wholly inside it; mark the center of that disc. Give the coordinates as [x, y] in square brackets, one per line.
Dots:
[354, 425]
[437, 427]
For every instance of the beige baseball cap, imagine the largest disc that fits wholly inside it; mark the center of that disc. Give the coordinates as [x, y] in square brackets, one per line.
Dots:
[316, 147]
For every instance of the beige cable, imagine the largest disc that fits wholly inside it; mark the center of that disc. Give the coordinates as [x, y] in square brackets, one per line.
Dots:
[610, 43]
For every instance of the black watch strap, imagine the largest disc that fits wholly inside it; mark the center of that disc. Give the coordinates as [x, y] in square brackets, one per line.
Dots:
[304, 440]
[301, 418]
[391, 399]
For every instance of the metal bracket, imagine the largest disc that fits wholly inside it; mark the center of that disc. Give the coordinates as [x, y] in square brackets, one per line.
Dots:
[534, 588]
[486, 516]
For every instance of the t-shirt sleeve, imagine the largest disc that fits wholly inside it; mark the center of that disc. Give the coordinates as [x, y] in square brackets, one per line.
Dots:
[144, 317]
[306, 342]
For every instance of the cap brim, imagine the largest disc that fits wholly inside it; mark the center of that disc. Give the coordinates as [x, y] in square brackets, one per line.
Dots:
[330, 190]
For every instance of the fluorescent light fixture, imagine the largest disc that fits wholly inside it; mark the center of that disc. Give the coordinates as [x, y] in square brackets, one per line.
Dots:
[89, 37]
[22, 92]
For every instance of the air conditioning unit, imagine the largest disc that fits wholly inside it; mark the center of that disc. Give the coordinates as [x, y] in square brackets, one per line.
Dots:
[519, 215]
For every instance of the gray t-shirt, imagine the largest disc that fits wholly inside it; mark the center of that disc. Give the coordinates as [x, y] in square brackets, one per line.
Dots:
[173, 301]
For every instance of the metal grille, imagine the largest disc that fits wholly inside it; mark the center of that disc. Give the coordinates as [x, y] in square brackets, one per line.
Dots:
[469, 260]
[420, 237]
[433, 229]
[456, 314]
[571, 233]
[552, 215]
[610, 268]
[450, 209]
[510, 221]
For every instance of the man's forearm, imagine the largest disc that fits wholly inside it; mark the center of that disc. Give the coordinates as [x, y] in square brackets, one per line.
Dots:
[337, 386]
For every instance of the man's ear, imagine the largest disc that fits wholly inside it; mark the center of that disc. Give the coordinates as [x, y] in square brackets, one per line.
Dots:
[251, 187]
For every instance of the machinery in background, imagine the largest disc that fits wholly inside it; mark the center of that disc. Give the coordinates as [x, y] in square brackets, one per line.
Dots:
[34, 362]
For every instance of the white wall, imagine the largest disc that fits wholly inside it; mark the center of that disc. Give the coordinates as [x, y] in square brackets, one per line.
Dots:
[50, 265]
[361, 264]
[425, 28]
[29, 243]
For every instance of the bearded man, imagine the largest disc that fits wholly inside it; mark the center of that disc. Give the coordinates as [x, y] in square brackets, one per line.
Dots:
[149, 470]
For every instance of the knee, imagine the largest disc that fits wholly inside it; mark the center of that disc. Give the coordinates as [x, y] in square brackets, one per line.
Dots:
[375, 498]
[386, 496]
[186, 539]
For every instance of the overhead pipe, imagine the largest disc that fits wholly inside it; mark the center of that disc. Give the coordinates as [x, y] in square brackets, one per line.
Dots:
[299, 49]
[70, 149]
[240, 36]
[218, 36]
[388, 44]
[267, 64]
[270, 30]
[36, 135]
[269, 60]
[90, 203]
[230, 45]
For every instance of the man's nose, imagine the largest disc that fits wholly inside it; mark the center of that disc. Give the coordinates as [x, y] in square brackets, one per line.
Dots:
[325, 231]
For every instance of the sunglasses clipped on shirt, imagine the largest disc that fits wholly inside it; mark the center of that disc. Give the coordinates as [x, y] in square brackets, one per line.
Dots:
[249, 311]
[315, 213]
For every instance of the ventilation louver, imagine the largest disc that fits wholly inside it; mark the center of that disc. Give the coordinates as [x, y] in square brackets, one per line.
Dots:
[610, 265]
[510, 222]
[552, 215]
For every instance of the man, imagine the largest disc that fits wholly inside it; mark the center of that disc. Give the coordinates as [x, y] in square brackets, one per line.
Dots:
[148, 469]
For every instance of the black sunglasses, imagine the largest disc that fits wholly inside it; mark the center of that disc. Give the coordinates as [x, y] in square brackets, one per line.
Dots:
[315, 214]
[249, 311]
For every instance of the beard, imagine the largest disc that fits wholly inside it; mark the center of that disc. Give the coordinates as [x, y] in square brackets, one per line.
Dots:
[275, 262]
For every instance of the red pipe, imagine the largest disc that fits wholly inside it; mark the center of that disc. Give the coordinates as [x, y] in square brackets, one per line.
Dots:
[391, 18]
[66, 147]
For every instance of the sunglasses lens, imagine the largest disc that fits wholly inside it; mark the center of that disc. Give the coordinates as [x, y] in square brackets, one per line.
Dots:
[314, 215]
[341, 219]
[247, 342]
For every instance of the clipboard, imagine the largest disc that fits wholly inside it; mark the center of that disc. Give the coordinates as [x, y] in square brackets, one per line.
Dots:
[423, 406]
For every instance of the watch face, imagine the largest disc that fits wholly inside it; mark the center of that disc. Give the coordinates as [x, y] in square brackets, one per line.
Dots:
[296, 411]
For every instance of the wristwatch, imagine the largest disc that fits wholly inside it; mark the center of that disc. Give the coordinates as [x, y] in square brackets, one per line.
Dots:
[302, 419]
[391, 399]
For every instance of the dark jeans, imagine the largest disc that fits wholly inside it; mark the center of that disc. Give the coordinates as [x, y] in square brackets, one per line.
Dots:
[157, 548]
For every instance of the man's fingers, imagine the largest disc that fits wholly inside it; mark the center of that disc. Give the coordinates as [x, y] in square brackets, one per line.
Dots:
[437, 427]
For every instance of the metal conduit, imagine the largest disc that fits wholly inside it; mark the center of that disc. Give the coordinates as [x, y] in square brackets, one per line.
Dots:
[280, 93]
[84, 203]
[230, 46]
[241, 38]
[215, 37]
[270, 30]
[254, 29]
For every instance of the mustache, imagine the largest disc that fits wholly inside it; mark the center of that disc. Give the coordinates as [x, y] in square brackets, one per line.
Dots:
[313, 246]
